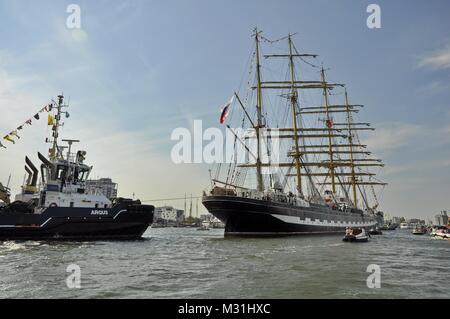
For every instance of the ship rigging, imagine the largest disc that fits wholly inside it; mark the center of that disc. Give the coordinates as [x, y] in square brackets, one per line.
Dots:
[324, 162]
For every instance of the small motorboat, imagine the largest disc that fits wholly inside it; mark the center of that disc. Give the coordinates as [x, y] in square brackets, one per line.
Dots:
[388, 227]
[420, 230]
[356, 235]
[204, 226]
[442, 233]
[405, 226]
[392, 227]
[375, 231]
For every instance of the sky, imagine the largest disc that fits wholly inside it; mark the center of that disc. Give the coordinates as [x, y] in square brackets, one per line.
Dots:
[138, 69]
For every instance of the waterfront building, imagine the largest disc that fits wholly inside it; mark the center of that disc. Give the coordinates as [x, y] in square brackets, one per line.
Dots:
[441, 219]
[169, 215]
[104, 186]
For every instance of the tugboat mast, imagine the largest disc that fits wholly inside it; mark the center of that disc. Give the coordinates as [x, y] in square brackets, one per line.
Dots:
[55, 151]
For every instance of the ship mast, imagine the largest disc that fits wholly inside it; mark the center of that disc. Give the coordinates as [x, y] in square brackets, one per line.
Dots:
[294, 99]
[337, 142]
[329, 126]
[259, 115]
[351, 151]
[55, 151]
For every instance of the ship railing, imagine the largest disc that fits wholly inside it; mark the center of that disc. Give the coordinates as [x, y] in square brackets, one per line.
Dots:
[289, 199]
[71, 157]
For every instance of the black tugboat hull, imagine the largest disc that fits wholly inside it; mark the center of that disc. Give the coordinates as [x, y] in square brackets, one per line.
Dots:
[253, 217]
[122, 222]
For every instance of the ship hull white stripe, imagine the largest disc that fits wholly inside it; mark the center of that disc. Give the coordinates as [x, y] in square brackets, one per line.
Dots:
[297, 221]
[120, 212]
[46, 222]
[283, 233]
[43, 224]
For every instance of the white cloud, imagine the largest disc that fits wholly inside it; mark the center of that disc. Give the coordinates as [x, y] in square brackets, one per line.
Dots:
[439, 59]
[391, 136]
[412, 168]
[434, 87]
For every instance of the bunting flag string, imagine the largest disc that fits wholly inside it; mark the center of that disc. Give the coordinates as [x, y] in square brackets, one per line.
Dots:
[13, 136]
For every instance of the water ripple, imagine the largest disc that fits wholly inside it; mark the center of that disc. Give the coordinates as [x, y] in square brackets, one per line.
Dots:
[183, 263]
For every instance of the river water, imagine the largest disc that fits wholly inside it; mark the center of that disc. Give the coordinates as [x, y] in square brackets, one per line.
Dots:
[186, 263]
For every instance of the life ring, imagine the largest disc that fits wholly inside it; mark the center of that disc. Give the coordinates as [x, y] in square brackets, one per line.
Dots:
[53, 205]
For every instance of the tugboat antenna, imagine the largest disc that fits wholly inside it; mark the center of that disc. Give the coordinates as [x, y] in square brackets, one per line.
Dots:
[70, 142]
[55, 152]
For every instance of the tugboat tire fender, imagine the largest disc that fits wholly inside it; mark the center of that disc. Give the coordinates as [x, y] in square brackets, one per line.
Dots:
[53, 205]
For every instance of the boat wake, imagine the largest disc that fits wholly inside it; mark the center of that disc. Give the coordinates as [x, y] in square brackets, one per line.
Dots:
[12, 246]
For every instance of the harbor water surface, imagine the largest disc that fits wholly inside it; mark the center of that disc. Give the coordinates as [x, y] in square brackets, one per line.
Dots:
[186, 263]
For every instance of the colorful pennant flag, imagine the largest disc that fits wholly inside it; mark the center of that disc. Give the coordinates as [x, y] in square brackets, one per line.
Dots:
[51, 120]
[9, 139]
[14, 133]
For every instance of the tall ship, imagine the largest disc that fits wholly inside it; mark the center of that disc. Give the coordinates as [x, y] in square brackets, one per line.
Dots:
[61, 206]
[300, 166]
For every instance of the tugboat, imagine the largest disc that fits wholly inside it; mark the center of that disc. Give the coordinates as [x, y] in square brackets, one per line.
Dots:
[355, 235]
[62, 208]
[298, 168]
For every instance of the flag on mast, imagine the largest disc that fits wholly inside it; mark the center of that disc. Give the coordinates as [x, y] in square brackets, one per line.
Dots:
[330, 123]
[225, 110]
[51, 120]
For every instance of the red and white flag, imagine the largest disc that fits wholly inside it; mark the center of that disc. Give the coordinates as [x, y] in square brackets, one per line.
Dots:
[225, 111]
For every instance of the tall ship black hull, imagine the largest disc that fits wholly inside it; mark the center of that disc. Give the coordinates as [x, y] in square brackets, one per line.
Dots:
[256, 217]
[124, 221]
